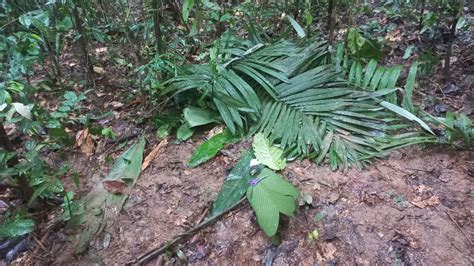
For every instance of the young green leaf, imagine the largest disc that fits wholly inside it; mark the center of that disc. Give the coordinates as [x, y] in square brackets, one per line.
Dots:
[269, 194]
[184, 132]
[267, 154]
[408, 52]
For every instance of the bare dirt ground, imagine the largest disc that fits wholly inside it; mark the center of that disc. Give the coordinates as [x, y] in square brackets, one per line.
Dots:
[412, 208]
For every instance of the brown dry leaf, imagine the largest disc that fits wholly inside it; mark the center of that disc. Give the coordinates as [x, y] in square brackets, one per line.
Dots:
[101, 50]
[114, 187]
[115, 104]
[328, 251]
[98, 70]
[84, 141]
[80, 136]
[152, 155]
[87, 146]
[418, 202]
[216, 130]
[394, 36]
[432, 201]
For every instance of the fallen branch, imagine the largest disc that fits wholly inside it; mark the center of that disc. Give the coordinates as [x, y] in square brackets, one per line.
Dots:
[155, 252]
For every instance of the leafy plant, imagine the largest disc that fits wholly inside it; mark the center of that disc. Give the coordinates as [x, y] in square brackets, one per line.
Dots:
[290, 94]
[15, 225]
[269, 195]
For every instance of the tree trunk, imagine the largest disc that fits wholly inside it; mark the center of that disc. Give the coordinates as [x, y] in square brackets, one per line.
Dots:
[160, 46]
[447, 57]
[332, 19]
[422, 11]
[83, 40]
[5, 143]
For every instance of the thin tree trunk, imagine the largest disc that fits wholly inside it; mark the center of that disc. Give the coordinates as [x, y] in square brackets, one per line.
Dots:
[447, 57]
[156, 26]
[83, 40]
[5, 143]
[332, 19]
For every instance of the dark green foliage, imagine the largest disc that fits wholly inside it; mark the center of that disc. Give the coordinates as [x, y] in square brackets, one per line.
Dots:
[235, 184]
[16, 227]
[209, 148]
[290, 94]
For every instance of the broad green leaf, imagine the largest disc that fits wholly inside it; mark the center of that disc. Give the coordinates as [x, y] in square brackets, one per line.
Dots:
[268, 154]
[269, 194]
[15, 228]
[100, 205]
[209, 149]
[402, 112]
[127, 166]
[198, 117]
[187, 7]
[184, 132]
[299, 30]
[235, 185]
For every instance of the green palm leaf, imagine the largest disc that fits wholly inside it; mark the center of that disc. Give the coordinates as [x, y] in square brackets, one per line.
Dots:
[291, 95]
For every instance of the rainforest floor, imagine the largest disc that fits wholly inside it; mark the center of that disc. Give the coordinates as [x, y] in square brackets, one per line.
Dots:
[414, 206]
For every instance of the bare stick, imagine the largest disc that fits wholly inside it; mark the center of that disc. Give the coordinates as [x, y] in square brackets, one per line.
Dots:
[457, 225]
[460, 229]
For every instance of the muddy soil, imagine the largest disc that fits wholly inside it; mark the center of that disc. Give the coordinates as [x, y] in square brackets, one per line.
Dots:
[415, 207]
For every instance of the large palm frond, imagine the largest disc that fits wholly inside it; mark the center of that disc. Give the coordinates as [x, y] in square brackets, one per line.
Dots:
[300, 102]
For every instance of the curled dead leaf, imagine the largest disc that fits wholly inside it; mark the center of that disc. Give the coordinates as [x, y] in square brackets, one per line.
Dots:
[84, 141]
[87, 146]
[98, 70]
[418, 202]
[114, 187]
[80, 136]
[152, 155]
[216, 130]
